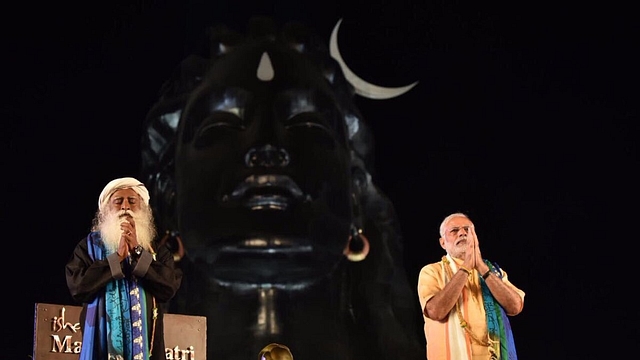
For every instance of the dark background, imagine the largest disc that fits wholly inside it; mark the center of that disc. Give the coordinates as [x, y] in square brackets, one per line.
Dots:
[524, 117]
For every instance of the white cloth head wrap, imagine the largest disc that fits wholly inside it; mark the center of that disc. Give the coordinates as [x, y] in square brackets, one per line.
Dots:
[122, 183]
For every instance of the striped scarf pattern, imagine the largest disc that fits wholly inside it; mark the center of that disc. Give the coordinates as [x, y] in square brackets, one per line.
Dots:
[116, 325]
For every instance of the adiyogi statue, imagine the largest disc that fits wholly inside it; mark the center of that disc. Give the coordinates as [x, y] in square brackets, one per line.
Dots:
[259, 168]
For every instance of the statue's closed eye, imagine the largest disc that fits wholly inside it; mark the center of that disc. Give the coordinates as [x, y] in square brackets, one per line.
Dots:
[214, 128]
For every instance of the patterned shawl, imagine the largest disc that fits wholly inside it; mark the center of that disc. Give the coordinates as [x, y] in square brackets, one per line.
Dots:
[497, 320]
[116, 324]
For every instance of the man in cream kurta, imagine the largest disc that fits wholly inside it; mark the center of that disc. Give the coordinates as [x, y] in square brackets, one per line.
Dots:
[450, 294]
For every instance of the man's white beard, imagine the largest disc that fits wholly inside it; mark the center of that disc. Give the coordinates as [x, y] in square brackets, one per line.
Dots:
[109, 227]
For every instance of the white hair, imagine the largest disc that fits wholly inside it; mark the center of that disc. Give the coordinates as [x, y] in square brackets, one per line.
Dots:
[448, 218]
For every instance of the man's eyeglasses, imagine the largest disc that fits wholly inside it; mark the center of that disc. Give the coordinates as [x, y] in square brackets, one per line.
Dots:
[454, 230]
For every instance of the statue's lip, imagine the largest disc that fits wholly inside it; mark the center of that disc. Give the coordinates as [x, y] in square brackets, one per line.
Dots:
[268, 245]
[267, 181]
[231, 251]
[267, 191]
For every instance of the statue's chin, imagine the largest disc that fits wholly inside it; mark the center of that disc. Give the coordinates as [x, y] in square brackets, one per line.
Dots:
[278, 262]
[279, 273]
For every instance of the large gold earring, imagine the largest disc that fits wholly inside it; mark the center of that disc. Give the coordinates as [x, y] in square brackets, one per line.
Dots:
[357, 247]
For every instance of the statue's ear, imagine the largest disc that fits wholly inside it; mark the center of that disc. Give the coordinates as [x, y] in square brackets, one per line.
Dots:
[357, 246]
[359, 184]
[159, 137]
[161, 184]
[168, 198]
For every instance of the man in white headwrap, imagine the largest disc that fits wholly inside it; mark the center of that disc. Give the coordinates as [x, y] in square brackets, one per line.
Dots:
[122, 278]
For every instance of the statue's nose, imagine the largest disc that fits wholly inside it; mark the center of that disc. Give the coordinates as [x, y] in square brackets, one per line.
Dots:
[267, 156]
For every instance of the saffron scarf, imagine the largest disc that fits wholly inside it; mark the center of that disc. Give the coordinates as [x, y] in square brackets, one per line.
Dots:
[116, 324]
[501, 343]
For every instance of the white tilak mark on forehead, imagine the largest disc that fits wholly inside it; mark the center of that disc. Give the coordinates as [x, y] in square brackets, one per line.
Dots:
[265, 69]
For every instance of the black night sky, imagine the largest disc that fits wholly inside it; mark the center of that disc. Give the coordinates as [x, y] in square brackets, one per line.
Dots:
[525, 117]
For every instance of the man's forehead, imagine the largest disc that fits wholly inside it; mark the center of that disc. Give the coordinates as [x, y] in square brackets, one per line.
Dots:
[458, 221]
[122, 193]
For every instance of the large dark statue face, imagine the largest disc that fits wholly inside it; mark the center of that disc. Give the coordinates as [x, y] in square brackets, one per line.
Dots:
[263, 188]
[257, 158]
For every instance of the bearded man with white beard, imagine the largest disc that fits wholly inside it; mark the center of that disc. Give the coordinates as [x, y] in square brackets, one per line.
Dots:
[122, 277]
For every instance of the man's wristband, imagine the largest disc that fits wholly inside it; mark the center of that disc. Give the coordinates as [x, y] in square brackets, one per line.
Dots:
[465, 270]
[486, 275]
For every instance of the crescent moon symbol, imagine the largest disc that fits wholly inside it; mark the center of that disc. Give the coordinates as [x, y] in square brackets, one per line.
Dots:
[362, 87]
